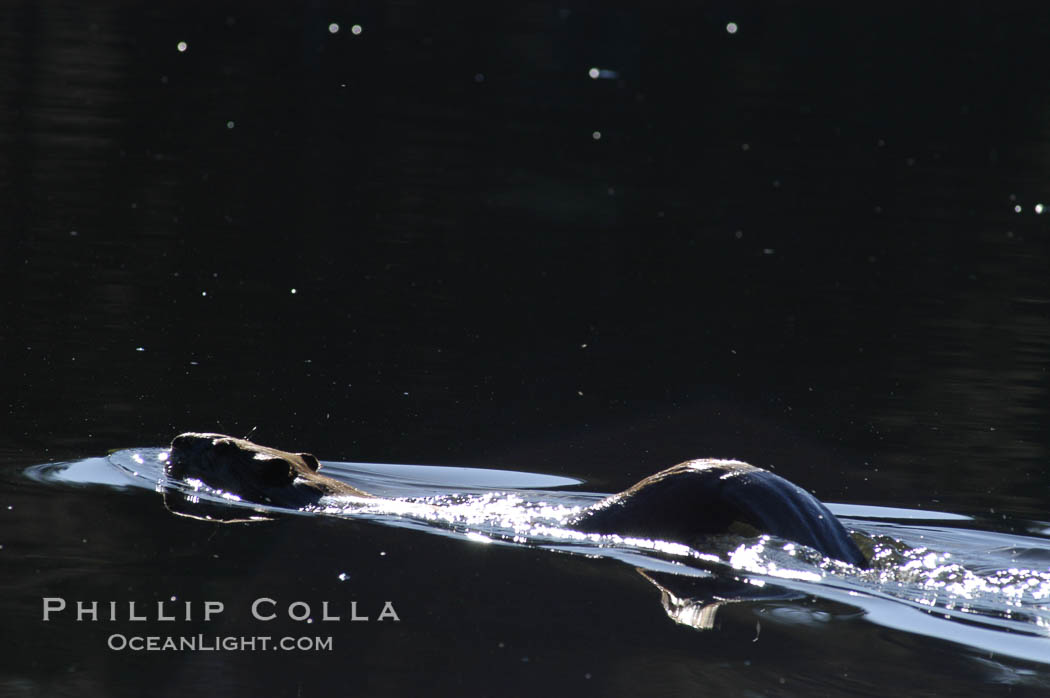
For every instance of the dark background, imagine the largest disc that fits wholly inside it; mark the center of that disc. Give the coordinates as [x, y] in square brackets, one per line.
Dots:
[812, 244]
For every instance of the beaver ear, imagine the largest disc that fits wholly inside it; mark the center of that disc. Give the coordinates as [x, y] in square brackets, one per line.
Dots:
[310, 461]
[275, 472]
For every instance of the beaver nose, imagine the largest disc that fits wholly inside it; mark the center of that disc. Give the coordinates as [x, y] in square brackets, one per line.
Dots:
[183, 441]
[192, 439]
[186, 448]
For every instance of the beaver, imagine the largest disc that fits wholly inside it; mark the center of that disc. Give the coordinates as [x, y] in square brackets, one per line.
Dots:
[681, 504]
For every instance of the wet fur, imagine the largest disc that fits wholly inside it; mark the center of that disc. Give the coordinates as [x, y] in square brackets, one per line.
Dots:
[704, 497]
[683, 503]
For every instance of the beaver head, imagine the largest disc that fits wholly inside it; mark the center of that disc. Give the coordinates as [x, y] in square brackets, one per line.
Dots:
[251, 472]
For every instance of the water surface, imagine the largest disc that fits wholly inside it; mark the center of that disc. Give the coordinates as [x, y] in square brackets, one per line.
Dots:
[817, 244]
[933, 573]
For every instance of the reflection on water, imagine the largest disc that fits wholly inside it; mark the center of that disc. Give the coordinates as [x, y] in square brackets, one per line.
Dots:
[580, 239]
[921, 576]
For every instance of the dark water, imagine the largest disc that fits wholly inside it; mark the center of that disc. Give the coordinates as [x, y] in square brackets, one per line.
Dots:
[814, 244]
